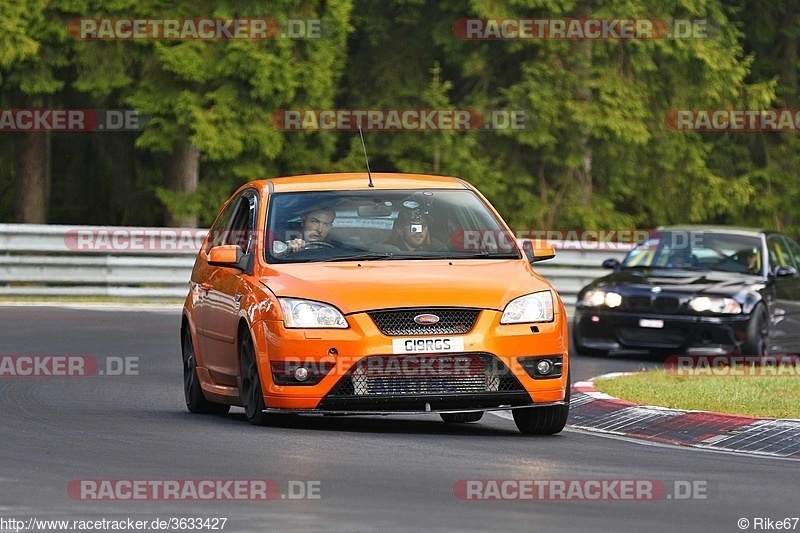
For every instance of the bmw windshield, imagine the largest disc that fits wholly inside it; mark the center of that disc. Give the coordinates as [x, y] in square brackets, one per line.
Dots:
[698, 250]
[384, 225]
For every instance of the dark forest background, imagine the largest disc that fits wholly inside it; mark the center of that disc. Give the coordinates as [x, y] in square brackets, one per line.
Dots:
[598, 154]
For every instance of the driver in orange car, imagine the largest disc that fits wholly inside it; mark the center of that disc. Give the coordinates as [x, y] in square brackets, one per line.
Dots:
[315, 225]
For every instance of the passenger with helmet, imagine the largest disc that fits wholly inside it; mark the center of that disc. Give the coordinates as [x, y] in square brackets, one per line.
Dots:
[411, 231]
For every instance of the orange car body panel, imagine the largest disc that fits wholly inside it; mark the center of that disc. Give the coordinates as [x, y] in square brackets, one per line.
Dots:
[354, 288]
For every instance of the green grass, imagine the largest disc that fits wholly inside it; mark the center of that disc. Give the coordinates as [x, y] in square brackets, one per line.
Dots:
[768, 396]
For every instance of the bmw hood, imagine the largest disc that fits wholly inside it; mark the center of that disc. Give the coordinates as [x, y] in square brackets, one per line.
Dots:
[678, 281]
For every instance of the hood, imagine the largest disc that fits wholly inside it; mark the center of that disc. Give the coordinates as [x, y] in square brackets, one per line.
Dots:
[675, 280]
[485, 284]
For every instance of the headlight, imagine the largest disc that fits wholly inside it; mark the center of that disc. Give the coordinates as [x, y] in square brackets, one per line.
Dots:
[308, 314]
[598, 298]
[536, 307]
[704, 304]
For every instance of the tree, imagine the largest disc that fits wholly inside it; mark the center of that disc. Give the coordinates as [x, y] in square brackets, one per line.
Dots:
[34, 51]
[213, 100]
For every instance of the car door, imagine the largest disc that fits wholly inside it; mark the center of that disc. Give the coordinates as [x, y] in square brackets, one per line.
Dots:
[200, 284]
[786, 308]
[790, 288]
[225, 293]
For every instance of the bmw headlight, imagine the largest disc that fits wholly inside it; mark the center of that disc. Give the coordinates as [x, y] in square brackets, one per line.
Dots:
[704, 304]
[307, 314]
[597, 298]
[536, 307]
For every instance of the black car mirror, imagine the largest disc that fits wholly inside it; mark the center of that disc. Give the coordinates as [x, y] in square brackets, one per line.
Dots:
[785, 271]
[611, 263]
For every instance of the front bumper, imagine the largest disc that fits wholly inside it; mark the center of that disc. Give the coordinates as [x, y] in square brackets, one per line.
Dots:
[397, 411]
[618, 331]
[342, 349]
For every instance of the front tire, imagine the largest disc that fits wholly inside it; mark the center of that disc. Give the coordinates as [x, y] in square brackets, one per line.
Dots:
[192, 390]
[250, 393]
[757, 341]
[543, 420]
[462, 418]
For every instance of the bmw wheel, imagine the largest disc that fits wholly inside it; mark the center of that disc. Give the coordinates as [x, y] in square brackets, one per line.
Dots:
[757, 341]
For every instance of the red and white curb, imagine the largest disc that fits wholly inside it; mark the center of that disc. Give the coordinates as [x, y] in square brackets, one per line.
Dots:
[592, 410]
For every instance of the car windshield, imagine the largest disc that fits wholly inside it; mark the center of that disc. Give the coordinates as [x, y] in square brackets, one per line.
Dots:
[702, 250]
[384, 225]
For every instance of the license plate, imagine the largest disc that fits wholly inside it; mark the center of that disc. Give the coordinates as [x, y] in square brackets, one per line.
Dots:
[428, 345]
[647, 323]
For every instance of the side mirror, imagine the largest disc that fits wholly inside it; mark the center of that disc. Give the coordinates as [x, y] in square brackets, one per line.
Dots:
[785, 271]
[228, 255]
[538, 250]
[611, 263]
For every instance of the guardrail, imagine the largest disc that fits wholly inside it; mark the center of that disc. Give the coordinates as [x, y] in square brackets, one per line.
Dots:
[152, 263]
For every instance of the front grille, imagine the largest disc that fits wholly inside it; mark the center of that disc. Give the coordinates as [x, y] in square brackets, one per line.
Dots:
[666, 304]
[638, 303]
[424, 375]
[452, 321]
[659, 304]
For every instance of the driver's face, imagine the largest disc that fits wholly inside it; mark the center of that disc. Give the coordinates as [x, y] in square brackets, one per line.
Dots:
[317, 225]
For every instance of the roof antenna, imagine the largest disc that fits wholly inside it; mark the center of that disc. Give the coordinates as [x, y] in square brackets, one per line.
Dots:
[365, 155]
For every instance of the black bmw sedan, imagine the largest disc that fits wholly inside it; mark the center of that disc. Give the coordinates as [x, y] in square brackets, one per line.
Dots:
[697, 290]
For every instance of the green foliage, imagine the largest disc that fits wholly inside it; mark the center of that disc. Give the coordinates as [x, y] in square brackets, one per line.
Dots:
[205, 201]
[596, 151]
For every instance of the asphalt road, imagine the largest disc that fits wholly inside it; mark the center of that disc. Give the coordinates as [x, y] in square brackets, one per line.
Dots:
[373, 473]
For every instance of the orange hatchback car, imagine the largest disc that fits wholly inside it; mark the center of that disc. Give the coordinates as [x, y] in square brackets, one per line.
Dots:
[357, 294]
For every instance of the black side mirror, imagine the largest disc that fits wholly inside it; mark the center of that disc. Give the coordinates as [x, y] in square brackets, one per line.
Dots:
[611, 263]
[785, 271]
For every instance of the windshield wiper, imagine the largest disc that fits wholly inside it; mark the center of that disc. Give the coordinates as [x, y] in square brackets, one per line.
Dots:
[382, 256]
[371, 256]
[696, 268]
[665, 267]
[481, 255]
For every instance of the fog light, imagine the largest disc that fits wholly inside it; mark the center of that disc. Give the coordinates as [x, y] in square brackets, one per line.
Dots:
[544, 367]
[301, 373]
